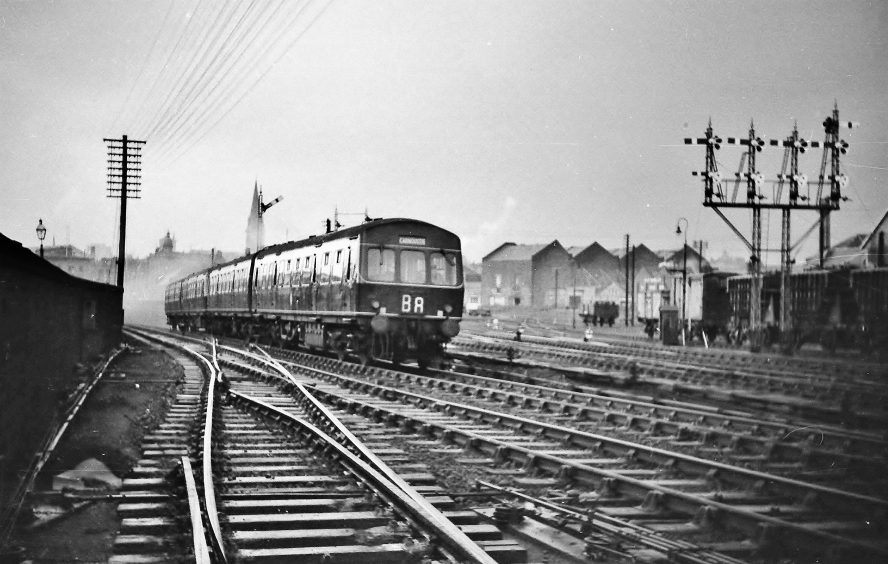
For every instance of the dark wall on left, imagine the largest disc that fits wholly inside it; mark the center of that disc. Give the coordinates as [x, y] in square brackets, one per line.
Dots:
[50, 322]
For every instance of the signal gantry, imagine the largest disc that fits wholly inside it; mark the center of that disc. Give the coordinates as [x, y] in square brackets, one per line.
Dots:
[802, 194]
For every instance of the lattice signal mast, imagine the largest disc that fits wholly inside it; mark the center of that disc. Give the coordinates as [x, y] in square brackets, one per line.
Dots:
[124, 182]
[799, 197]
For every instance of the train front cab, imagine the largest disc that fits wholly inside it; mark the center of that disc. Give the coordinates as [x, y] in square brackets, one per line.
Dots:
[411, 279]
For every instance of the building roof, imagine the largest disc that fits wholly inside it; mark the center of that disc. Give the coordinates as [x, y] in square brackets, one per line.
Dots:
[16, 256]
[470, 274]
[850, 252]
[512, 251]
[869, 238]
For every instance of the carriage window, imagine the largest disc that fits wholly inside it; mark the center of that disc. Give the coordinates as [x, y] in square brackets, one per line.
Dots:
[413, 267]
[381, 265]
[443, 269]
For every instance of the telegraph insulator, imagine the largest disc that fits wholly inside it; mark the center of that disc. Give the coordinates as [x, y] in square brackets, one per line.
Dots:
[801, 179]
[759, 143]
[843, 180]
[758, 178]
[842, 146]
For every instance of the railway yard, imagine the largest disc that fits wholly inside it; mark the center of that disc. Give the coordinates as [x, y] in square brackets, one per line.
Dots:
[550, 449]
[539, 283]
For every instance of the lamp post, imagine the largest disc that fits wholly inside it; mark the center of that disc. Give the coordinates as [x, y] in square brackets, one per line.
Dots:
[41, 234]
[684, 273]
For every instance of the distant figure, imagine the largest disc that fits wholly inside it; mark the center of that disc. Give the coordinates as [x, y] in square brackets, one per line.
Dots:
[587, 336]
[496, 324]
[518, 333]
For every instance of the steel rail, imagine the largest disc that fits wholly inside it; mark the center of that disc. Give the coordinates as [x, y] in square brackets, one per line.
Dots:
[680, 501]
[462, 548]
[721, 417]
[209, 491]
[657, 373]
[79, 397]
[214, 374]
[467, 546]
[676, 550]
[201, 552]
[692, 358]
[559, 432]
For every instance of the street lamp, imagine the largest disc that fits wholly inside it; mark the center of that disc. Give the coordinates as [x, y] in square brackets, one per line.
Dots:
[684, 273]
[41, 234]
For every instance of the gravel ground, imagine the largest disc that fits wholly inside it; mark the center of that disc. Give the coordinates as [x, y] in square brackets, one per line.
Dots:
[129, 402]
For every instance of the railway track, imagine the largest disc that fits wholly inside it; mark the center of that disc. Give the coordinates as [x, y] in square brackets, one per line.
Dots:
[677, 492]
[828, 399]
[277, 487]
[490, 457]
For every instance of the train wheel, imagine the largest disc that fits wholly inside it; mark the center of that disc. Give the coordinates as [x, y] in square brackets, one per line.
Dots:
[339, 345]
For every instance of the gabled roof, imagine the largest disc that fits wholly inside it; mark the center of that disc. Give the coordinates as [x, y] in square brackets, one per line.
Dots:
[855, 241]
[597, 250]
[512, 251]
[553, 245]
[866, 242]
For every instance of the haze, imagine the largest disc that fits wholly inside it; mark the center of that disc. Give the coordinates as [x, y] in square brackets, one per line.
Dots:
[515, 120]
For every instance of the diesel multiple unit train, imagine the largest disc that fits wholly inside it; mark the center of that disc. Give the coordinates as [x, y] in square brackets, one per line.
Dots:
[388, 289]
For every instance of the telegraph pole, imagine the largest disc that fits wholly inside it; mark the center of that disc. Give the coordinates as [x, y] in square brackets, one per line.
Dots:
[626, 321]
[124, 182]
[634, 289]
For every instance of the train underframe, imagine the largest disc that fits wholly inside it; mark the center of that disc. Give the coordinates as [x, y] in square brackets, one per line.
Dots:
[363, 338]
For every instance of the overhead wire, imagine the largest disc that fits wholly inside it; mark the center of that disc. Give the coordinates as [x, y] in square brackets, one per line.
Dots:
[196, 82]
[198, 70]
[237, 42]
[216, 65]
[195, 136]
[203, 45]
[191, 41]
[142, 112]
[148, 56]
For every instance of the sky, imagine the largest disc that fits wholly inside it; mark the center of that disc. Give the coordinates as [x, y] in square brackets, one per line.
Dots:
[515, 120]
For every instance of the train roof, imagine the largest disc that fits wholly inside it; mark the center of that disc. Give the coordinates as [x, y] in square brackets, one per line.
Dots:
[312, 240]
[346, 233]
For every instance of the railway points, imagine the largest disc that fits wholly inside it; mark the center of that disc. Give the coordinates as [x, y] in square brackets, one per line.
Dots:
[519, 467]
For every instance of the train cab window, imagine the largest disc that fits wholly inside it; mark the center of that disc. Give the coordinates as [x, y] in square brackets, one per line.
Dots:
[443, 269]
[381, 265]
[413, 267]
